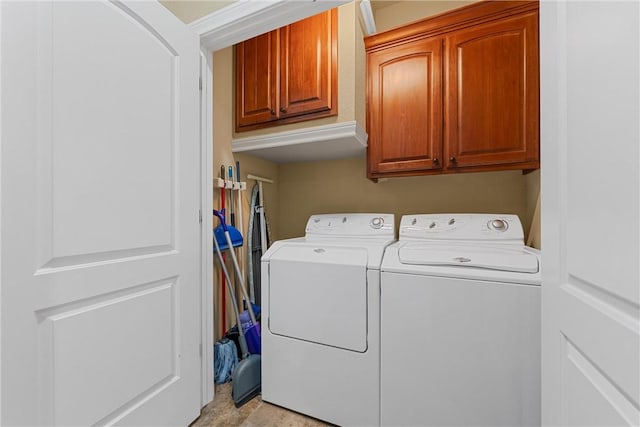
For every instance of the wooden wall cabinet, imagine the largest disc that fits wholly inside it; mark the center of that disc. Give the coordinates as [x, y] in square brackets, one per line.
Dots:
[405, 107]
[256, 66]
[289, 74]
[455, 93]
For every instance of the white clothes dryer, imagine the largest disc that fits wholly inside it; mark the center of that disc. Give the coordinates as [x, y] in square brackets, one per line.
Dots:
[321, 318]
[460, 323]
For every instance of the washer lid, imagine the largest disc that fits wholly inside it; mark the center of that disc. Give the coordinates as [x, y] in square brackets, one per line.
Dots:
[476, 256]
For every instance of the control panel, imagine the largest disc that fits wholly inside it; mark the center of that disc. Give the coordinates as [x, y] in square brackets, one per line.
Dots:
[489, 227]
[351, 224]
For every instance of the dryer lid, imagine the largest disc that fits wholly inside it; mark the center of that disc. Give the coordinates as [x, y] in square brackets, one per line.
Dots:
[469, 256]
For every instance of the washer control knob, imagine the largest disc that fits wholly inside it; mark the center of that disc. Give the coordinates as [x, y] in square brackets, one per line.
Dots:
[377, 222]
[498, 224]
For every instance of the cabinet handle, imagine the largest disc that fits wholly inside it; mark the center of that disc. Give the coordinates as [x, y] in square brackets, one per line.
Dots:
[283, 110]
[436, 160]
[273, 112]
[453, 159]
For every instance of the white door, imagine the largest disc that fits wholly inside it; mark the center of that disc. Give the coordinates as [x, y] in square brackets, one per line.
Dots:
[99, 217]
[590, 98]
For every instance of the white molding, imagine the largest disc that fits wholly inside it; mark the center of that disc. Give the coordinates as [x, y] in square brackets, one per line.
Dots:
[367, 17]
[244, 19]
[332, 141]
[206, 205]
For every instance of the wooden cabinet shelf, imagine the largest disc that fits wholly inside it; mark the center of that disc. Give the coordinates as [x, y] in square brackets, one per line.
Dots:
[288, 75]
[458, 92]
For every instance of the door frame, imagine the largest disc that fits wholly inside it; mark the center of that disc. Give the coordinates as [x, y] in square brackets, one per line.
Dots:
[241, 20]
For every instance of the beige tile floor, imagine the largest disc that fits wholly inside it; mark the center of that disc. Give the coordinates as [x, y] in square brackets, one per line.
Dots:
[255, 413]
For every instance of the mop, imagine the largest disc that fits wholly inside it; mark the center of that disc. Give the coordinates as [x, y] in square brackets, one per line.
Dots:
[225, 360]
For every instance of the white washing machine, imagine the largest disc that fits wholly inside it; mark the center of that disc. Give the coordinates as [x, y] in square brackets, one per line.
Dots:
[321, 318]
[460, 323]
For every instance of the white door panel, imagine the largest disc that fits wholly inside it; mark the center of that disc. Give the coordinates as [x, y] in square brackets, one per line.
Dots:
[602, 166]
[111, 137]
[100, 231]
[607, 336]
[137, 353]
[591, 399]
[590, 92]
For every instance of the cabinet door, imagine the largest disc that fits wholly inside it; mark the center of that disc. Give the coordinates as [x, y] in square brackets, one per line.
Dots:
[404, 118]
[257, 80]
[492, 94]
[308, 61]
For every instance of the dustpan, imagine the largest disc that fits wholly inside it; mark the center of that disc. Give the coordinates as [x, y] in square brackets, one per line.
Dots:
[218, 232]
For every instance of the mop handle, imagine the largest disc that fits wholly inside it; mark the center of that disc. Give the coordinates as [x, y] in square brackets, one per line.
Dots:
[241, 223]
[233, 216]
[223, 301]
[243, 342]
[242, 283]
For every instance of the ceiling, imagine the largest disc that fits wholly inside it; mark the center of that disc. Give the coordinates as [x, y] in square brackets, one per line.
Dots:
[379, 4]
[190, 10]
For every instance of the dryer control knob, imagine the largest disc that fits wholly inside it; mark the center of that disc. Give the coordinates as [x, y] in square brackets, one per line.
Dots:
[377, 222]
[498, 224]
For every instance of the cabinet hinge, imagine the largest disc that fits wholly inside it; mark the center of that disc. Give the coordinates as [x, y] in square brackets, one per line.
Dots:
[200, 216]
[200, 83]
[200, 350]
